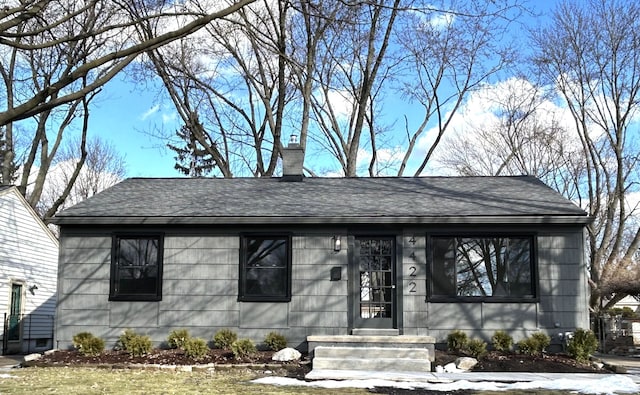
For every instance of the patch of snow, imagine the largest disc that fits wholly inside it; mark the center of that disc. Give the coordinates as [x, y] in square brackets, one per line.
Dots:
[611, 384]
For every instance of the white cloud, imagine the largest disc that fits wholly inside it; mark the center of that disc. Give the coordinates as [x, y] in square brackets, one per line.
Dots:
[150, 112]
[481, 112]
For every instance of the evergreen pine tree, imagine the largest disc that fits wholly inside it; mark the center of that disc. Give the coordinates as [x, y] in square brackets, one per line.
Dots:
[192, 159]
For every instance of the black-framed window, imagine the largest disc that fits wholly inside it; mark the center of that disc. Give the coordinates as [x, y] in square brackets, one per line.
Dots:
[485, 267]
[265, 268]
[136, 267]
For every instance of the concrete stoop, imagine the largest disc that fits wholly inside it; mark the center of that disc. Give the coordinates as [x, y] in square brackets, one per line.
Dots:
[378, 359]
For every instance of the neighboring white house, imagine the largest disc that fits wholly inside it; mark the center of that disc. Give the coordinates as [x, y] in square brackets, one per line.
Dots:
[28, 273]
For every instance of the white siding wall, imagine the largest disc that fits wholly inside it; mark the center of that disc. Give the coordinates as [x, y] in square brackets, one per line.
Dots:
[28, 255]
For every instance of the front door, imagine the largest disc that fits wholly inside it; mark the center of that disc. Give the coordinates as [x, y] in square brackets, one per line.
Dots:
[374, 282]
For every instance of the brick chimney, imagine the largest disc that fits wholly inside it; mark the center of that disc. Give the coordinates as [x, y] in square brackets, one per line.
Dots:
[292, 160]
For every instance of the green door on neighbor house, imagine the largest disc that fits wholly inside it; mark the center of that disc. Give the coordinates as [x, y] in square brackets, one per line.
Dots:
[14, 333]
[373, 282]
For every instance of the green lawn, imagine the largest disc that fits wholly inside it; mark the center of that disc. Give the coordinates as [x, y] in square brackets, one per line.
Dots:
[63, 380]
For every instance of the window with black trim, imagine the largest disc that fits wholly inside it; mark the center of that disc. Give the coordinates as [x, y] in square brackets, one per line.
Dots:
[265, 268]
[136, 267]
[482, 267]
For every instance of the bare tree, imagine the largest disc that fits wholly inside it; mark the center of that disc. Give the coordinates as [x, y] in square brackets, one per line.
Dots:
[100, 164]
[97, 33]
[592, 53]
[525, 135]
[231, 93]
[451, 53]
[57, 54]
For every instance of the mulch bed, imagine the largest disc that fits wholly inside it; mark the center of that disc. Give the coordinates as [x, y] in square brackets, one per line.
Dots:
[511, 362]
[492, 362]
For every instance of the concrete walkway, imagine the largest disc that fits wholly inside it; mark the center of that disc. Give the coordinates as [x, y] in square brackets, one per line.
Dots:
[9, 361]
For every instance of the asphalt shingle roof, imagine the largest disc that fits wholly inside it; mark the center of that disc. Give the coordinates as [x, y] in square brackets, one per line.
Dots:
[245, 200]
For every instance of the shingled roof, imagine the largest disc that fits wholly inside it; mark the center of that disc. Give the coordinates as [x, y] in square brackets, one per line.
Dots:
[326, 200]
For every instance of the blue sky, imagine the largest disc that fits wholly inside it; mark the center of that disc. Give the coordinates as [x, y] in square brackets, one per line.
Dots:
[128, 113]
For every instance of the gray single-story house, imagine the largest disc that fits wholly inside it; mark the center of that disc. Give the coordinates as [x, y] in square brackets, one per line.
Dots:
[312, 258]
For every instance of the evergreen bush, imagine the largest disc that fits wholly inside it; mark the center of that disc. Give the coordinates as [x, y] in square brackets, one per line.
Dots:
[177, 338]
[502, 341]
[275, 341]
[195, 348]
[535, 344]
[582, 345]
[87, 344]
[224, 338]
[477, 348]
[457, 341]
[135, 343]
[243, 348]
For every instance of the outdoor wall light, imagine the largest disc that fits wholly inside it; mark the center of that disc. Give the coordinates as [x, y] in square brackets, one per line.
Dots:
[32, 288]
[337, 243]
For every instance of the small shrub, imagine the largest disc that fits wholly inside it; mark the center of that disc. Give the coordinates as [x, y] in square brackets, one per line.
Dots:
[457, 341]
[177, 338]
[502, 341]
[243, 348]
[534, 345]
[80, 338]
[224, 338]
[87, 344]
[477, 348]
[582, 345]
[275, 341]
[543, 340]
[195, 348]
[134, 343]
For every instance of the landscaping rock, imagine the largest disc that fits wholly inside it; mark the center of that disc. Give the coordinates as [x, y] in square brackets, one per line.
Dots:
[466, 363]
[32, 357]
[451, 368]
[286, 355]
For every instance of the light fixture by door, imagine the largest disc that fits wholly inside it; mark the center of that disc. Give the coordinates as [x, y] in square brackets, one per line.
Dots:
[337, 243]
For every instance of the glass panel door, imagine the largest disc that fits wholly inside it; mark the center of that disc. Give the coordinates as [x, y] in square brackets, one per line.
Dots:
[375, 260]
[14, 313]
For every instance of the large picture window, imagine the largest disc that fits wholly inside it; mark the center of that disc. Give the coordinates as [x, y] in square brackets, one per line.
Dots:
[136, 267]
[265, 269]
[482, 267]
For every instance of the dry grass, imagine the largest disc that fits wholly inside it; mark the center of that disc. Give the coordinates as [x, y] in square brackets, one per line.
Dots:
[65, 380]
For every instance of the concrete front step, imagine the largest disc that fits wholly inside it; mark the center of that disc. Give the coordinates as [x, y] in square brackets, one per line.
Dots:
[367, 342]
[377, 365]
[374, 332]
[371, 352]
[381, 359]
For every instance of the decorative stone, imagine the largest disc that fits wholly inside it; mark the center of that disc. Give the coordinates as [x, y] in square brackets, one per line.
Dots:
[287, 354]
[466, 363]
[32, 357]
[451, 368]
[49, 352]
[597, 365]
[439, 369]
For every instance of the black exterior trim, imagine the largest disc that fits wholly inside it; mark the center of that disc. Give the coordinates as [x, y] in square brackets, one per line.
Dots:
[285, 296]
[479, 299]
[114, 294]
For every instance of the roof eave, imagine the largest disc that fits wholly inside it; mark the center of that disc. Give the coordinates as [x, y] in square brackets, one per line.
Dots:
[290, 220]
